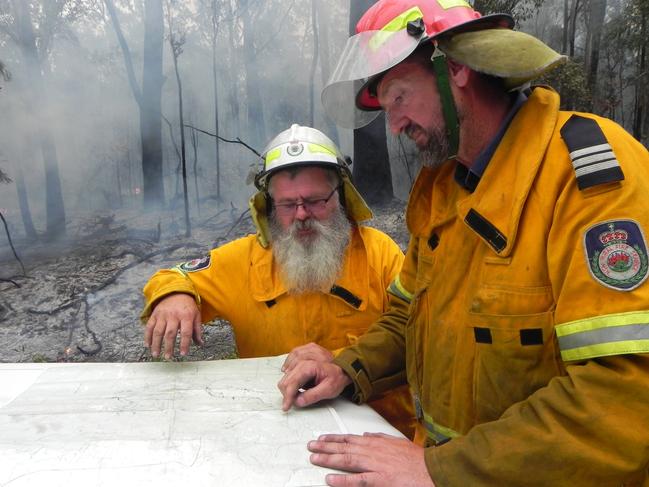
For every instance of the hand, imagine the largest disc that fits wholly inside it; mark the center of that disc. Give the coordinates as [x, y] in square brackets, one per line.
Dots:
[310, 351]
[376, 459]
[173, 313]
[329, 381]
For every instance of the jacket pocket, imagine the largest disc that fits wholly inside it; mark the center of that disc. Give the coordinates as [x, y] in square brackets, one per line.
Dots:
[514, 356]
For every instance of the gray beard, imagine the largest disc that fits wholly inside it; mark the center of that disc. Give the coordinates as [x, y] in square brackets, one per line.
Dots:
[313, 264]
[435, 153]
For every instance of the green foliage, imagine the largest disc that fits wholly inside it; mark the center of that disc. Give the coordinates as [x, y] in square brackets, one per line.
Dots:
[569, 80]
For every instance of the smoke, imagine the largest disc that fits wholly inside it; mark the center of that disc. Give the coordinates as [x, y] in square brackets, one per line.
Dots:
[93, 116]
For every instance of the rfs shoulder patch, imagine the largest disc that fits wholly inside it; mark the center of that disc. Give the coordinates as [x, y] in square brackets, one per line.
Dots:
[616, 252]
[195, 265]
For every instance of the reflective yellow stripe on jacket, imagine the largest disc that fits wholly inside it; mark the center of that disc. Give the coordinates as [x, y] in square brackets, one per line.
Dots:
[438, 433]
[604, 335]
[397, 289]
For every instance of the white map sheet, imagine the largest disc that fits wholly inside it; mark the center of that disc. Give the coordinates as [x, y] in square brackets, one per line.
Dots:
[162, 424]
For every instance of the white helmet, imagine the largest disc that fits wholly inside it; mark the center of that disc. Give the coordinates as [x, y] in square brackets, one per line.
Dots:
[303, 146]
[299, 146]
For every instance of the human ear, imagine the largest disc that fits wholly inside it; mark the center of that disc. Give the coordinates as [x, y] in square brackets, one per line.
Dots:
[459, 73]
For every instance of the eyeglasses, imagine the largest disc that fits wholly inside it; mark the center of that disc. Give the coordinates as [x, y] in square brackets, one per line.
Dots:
[311, 206]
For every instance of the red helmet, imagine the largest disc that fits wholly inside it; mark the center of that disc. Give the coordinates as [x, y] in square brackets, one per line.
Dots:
[440, 16]
[387, 34]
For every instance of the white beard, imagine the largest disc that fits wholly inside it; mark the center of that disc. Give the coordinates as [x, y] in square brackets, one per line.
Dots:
[311, 264]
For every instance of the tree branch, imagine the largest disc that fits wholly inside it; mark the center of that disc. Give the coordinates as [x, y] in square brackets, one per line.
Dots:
[135, 88]
[11, 244]
[111, 280]
[237, 141]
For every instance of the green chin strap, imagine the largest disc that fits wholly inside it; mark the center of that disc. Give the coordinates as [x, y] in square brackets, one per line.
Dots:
[448, 104]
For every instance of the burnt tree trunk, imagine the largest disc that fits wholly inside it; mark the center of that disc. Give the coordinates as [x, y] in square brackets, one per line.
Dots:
[176, 49]
[23, 204]
[150, 111]
[37, 105]
[148, 97]
[314, 61]
[639, 107]
[325, 71]
[254, 101]
[595, 26]
[215, 86]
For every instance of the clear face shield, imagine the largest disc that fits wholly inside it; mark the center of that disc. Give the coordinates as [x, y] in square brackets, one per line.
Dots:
[365, 55]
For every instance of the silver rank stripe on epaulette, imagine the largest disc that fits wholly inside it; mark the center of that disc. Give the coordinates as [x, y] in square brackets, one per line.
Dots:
[591, 155]
[593, 159]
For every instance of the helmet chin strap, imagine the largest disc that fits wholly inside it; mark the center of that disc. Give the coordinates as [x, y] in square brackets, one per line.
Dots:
[448, 104]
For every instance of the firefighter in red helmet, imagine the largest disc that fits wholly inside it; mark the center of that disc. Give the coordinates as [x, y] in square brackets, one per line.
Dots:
[520, 317]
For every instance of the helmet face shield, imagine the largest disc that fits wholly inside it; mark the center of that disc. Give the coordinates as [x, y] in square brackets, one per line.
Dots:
[365, 55]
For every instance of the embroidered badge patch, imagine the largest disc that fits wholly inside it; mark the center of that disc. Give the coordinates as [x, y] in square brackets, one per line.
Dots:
[616, 252]
[195, 265]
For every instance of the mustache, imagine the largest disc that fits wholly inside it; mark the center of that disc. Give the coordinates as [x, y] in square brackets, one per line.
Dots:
[412, 128]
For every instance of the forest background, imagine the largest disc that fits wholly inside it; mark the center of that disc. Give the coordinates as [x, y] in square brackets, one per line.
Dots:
[129, 130]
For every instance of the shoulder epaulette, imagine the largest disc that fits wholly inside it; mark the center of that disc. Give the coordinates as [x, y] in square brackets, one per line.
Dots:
[592, 157]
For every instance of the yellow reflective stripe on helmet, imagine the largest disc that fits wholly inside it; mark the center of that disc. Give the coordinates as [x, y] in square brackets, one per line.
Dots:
[400, 22]
[437, 432]
[397, 289]
[601, 336]
[446, 4]
[321, 149]
[272, 155]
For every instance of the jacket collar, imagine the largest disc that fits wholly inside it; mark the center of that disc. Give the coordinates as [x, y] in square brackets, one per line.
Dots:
[499, 198]
[266, 284]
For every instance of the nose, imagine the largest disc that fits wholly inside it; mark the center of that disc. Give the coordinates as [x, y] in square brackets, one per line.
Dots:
[301, 213]
[396, 122]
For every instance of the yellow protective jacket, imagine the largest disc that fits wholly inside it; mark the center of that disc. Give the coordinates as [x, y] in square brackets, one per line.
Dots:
[524, 331]
[241, 284]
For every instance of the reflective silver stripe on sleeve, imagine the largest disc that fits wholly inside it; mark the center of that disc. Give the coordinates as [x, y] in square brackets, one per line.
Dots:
[602, 336]
[638, 331]
[396, 288]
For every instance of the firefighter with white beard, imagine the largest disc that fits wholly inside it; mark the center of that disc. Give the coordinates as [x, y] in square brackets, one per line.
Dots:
[311, 277]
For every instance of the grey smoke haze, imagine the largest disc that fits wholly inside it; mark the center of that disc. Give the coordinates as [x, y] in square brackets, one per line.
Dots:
[264, 52]
[94, 118]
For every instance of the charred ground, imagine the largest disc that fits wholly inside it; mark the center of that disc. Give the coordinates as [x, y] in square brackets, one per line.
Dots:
[80, 298]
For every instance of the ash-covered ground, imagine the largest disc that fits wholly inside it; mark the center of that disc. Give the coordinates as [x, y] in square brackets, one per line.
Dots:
[81, 297]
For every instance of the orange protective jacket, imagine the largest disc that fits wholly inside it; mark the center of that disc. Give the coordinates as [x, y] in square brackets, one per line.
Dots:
[241, 284]
[529, 363]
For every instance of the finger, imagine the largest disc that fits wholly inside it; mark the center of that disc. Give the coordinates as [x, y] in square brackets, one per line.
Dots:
[186, 332]
[287, 366]
[333, 443]
[289, 394]
[381, 435]
[198, 330]
[157, 336]
[348, 461]
[294, 357]
[170, 340]
[148, 331]
[364, 479]
[290, 385]
[308, 396]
